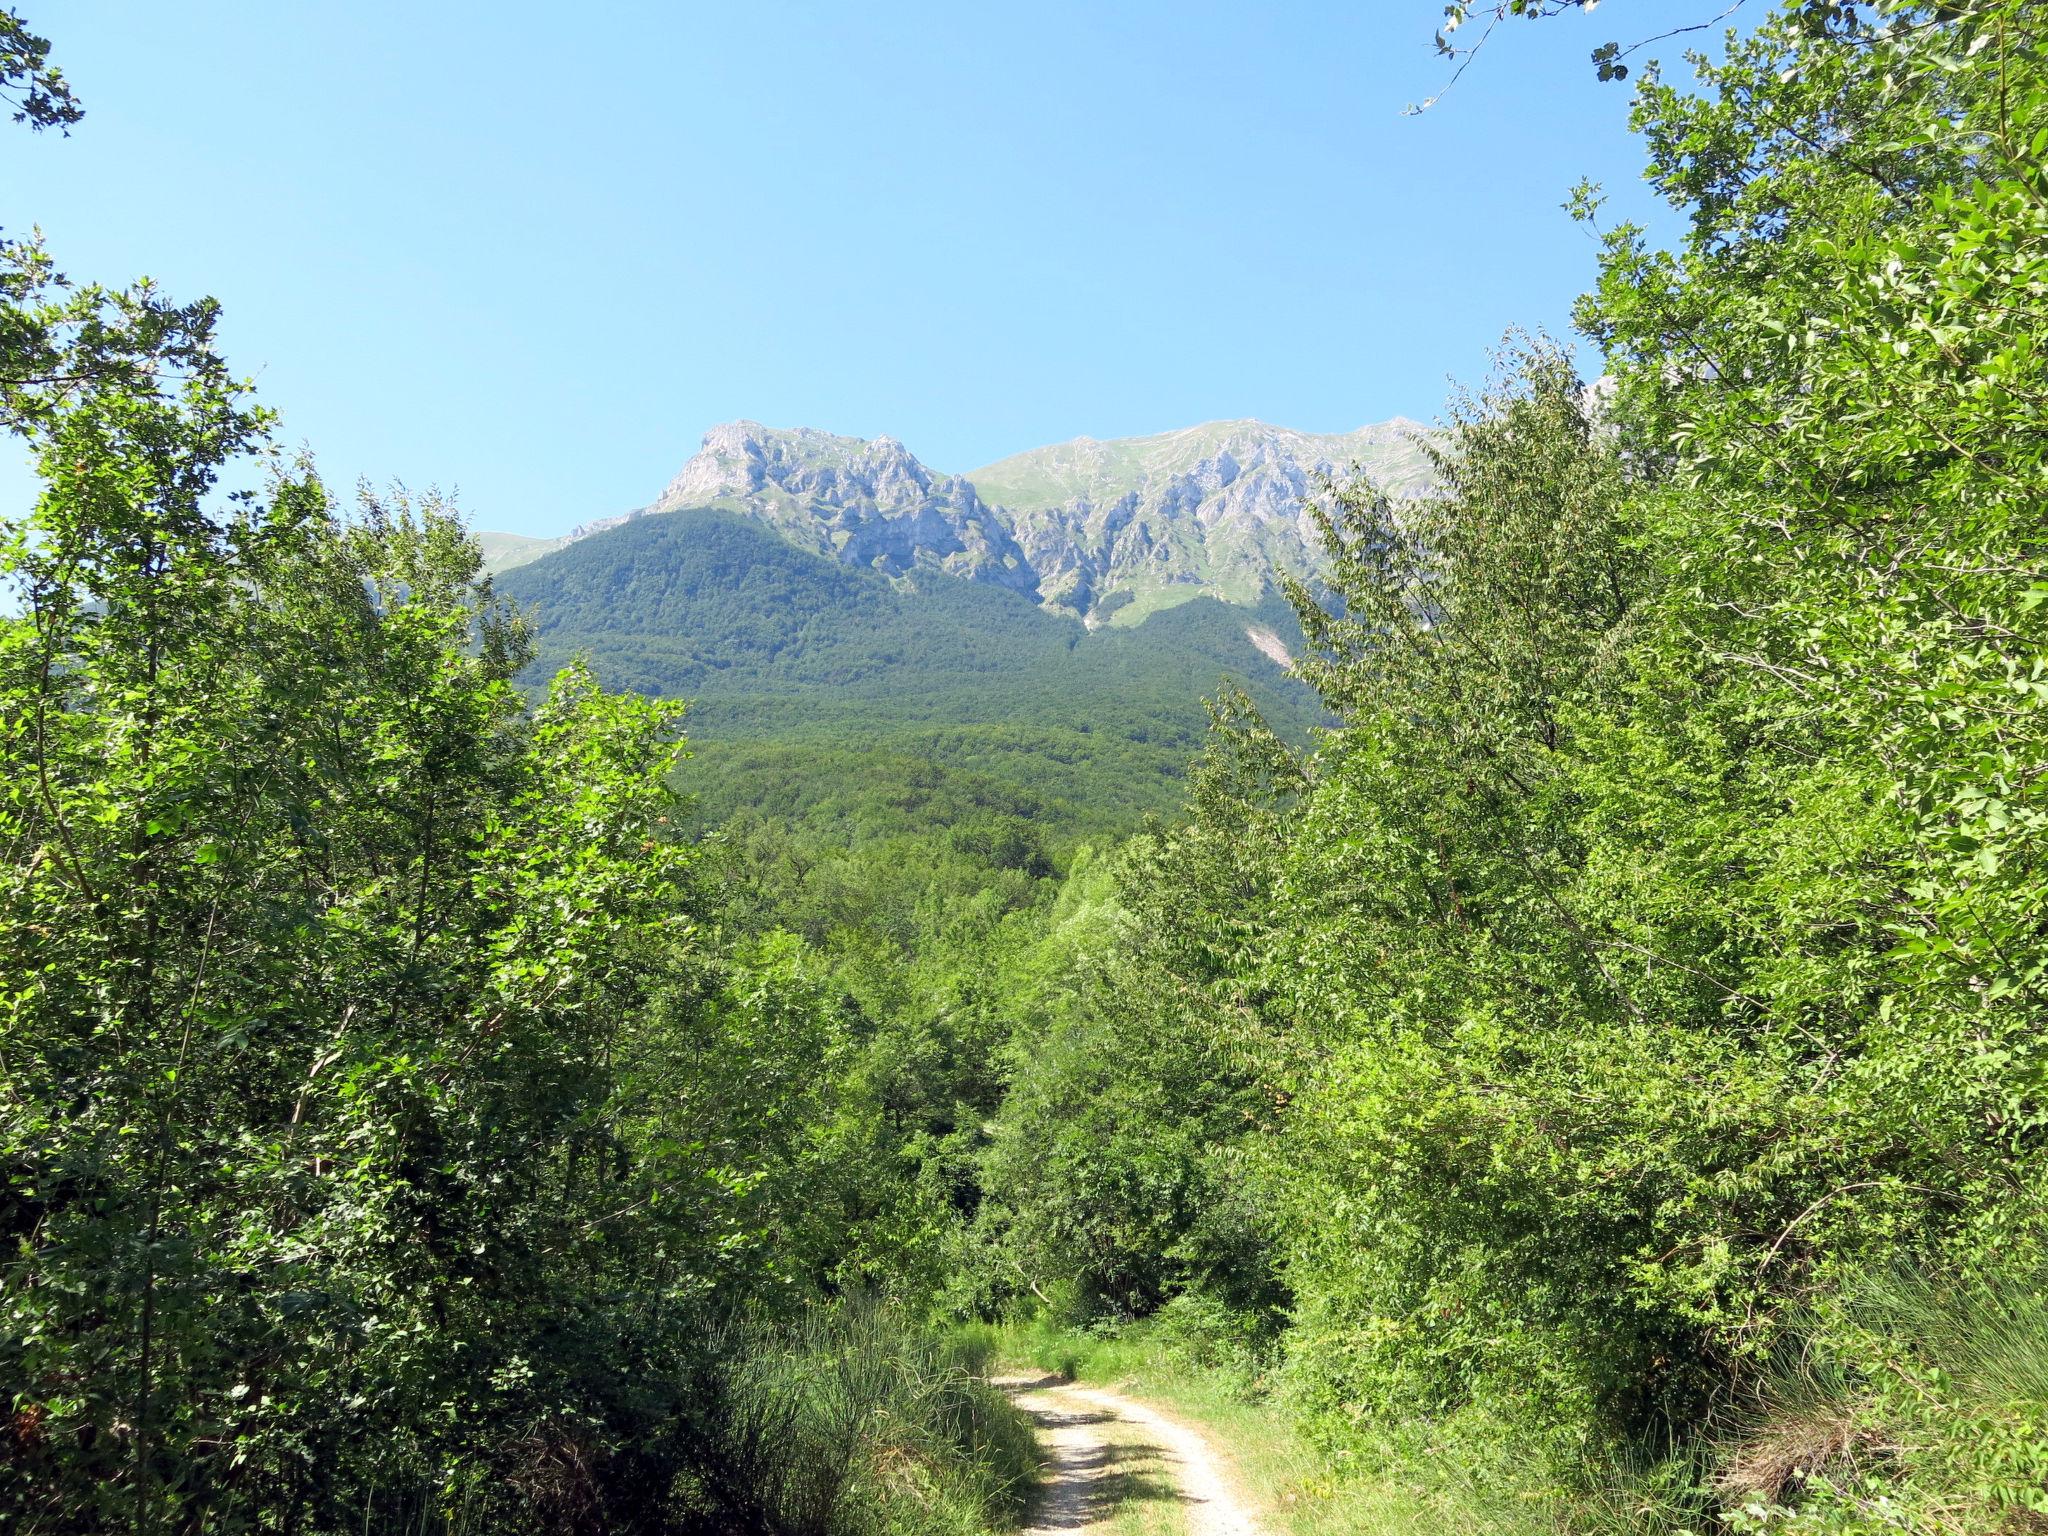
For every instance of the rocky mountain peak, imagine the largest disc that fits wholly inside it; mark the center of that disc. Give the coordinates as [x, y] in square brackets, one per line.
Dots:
[1118, 529]
[744, 458]
[862, 501]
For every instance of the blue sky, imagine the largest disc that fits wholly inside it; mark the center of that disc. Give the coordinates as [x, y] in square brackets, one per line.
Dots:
[533, 252]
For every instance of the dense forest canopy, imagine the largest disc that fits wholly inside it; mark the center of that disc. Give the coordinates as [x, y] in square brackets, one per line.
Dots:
[1587, 1065]
[812, 680]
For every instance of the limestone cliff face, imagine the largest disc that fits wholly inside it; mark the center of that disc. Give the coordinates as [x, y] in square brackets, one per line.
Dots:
[1106, 531]
[864, 503]
[1119, 529]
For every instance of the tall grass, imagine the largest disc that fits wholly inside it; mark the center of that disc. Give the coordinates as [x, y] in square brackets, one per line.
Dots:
[851, 1422]
[1986, 1336]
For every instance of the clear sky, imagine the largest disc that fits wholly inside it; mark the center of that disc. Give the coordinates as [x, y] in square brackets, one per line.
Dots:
[532, 252]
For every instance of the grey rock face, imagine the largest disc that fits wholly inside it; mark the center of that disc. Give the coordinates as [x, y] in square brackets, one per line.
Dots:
[1223, 508]
[864, 503]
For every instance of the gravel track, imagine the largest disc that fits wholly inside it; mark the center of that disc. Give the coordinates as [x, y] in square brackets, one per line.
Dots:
[1087, 1431]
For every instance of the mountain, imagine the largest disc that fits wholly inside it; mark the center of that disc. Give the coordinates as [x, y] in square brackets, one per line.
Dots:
[869, 504]
[1118, 530]
[1039, 634]
[1108, 532]
[793, 659]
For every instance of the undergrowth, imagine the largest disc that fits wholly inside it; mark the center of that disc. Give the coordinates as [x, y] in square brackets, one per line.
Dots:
[1921, 1405]
[1425, 1479]
[851, 1422]
[1910, 1405]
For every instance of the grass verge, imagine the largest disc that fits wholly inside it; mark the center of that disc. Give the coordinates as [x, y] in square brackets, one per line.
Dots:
[1914, 1407]
[1299, 1489]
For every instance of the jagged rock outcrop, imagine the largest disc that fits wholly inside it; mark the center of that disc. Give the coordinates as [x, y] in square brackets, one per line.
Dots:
[868, 503]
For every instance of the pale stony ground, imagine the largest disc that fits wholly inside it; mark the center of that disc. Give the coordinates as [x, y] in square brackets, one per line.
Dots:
[1116, 1465]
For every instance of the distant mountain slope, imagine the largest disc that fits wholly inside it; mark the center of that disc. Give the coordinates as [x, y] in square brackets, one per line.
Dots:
[1116, 530]
[833, 607]
[782, 647]
[504, 551]
[1105, 531]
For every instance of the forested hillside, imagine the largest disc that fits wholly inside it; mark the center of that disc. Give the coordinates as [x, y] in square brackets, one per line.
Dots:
[1574, 1051]
[806, 676]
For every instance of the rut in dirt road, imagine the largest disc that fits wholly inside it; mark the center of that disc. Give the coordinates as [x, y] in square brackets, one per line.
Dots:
[1089, 1432]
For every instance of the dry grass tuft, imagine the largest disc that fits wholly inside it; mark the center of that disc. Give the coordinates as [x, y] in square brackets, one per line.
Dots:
[559, 1479]
[1790, 1450]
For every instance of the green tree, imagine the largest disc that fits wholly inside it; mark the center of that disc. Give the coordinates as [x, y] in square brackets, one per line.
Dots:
[29, 83]
[1651, 956]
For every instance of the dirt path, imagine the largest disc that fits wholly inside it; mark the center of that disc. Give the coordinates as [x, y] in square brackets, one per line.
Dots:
[1100, 1448]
